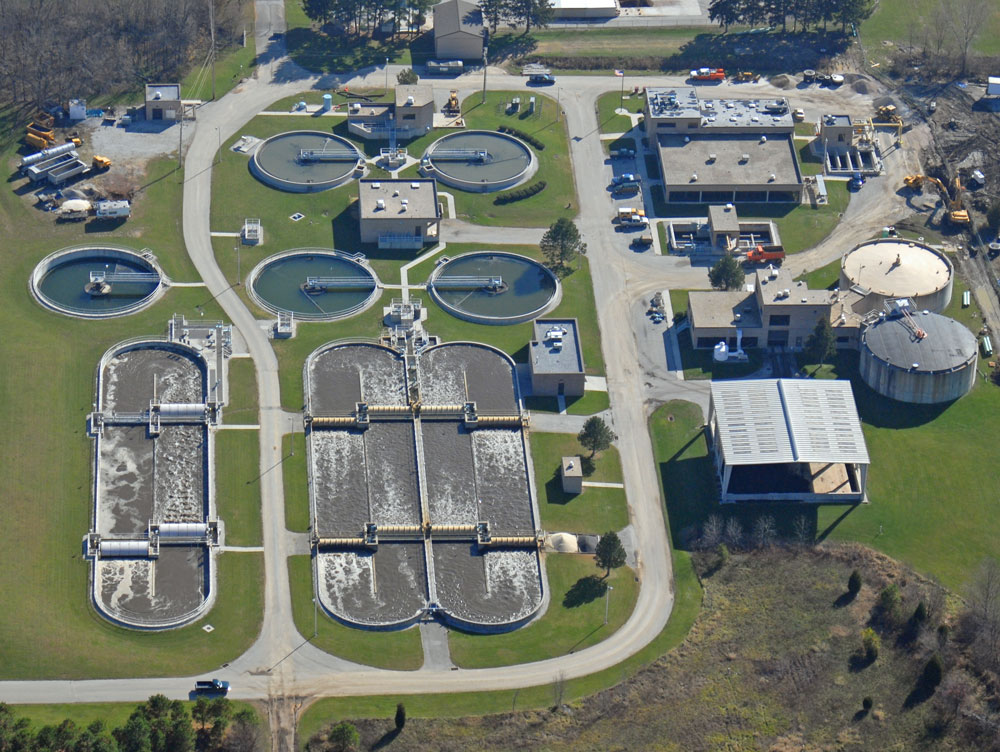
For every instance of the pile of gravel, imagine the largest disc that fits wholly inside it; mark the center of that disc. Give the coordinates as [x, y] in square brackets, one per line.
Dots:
[861, 87]
[782, 81]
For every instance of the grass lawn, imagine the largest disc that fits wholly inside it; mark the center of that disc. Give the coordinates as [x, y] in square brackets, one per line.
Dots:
[590, 403]
[596, 510]
[231, 67]
[687, 604]
[825, 278]
[237, 484]
[907, 21]
[805, 129]
[399, 650]
[242, 406]
[622, 142]
[296, 482]
[574, 619]
[809, 163]
[607, 117]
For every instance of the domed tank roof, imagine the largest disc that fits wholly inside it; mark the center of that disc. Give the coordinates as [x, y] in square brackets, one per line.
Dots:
[946, 344]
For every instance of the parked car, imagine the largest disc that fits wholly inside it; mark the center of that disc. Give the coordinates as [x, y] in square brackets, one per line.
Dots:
[625, 177]
[543, 79]
[798, 114]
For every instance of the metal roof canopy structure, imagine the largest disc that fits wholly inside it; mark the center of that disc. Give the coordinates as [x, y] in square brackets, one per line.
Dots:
[787, 421]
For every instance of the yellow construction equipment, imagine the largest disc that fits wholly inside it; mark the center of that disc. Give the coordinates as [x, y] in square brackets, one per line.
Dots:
[743, 77]
[45, 120]
[452, 107]
[888, 114]
[36, 141]
[100, 163]
[35, 129]
[956, 213]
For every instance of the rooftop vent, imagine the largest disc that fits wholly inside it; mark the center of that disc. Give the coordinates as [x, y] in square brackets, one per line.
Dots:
[694, 177]
[414, 185]
[157, 95]
[771, 178]
[380, 204]
[739, 316]
[376, 184]
[763, 139]
[405, 203]
[395, 193]
[711, 157]
[744, 158]
[787, 292]
[687, 139]
[409, 100]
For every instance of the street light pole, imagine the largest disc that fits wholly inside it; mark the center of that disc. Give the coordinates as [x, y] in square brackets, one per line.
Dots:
[316, 618]
[607, 599]
[387, 75]
[484, 73]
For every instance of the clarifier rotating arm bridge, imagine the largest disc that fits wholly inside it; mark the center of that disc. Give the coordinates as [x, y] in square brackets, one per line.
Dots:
[421, 499]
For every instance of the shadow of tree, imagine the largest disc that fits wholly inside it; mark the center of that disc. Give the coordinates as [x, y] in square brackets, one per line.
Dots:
[585, 590]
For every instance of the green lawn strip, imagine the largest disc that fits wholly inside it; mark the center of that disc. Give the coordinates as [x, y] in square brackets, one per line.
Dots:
[591, 402]
[661, 230]
[312, 48]
[636, 42]
[113, 714]
[231, 67]
[296, 482]
[596, 510]
[687, 604]
[608, 117]
[237, 484]
[622, 142]
[809, 163]
[242, 405]
[805, 129]
[399, 650]
[824, 278]
[574, 619]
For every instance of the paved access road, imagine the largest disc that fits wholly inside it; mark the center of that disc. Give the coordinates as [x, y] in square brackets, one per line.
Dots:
[282, 664]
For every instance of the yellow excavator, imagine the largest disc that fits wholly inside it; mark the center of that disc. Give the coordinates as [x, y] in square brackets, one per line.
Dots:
[888, 114]
[956, 214]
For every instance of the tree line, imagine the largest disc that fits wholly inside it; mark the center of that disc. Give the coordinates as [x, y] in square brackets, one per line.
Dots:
[803, 13]
[57, 49]
[365, 16]
[157, 725]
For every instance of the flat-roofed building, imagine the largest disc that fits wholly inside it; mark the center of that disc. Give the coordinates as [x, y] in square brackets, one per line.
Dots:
[411, 114]
[555, 358]
[723, 226]
[458, 31]
[787, 440]
[777, 312]
[163, 102]
[399, 213]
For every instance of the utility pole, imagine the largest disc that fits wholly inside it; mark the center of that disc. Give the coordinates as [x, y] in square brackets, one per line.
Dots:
[485, 48]
[387, 75]
[315, 618]
[180, 138]
[607, 599]
[211, 24]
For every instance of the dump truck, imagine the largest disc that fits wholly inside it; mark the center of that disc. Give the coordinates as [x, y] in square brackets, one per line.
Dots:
[708, 74]
[40, 170]
[64, 172]
[100, 163]
[44, 119]
[36, 141]
[49, 137]
[765, 254]
[211, 687]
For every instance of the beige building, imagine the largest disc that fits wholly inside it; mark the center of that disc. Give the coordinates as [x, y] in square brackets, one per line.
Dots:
[572, 475]
[777, 312]
[722, 150]
[163, 102]
[458, 31]
[399, 213]
[555, 358]
[412, 115]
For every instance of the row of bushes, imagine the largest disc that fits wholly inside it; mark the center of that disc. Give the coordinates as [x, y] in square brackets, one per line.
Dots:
[522, 135]
[520, 193]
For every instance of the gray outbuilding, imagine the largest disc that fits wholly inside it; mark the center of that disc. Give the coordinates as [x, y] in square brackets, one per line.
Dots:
[458, 31]
[555, 358]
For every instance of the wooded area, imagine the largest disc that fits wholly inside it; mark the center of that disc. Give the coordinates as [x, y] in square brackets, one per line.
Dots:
[56, 49]
[804, 13]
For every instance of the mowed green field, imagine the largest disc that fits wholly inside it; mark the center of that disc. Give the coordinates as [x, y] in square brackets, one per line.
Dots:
[909, 21]
[47, 368]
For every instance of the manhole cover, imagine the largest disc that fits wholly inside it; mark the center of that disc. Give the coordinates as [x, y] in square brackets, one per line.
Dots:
[208, 628]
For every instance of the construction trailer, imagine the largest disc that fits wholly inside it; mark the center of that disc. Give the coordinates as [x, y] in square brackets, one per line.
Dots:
[106, 209]
[993, 86]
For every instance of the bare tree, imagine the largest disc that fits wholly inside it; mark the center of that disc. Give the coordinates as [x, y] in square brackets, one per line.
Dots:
[938, 30]
[764, 531]
[801, 530]
[733, 533]
[711, 532]
[984, 614]
[966, 19]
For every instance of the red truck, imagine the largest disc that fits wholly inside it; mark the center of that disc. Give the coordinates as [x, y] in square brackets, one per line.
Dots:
[708, 74]
[760, 254]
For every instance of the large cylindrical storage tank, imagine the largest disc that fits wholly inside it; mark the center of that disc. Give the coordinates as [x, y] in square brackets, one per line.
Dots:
[891, 268]
[899, 363]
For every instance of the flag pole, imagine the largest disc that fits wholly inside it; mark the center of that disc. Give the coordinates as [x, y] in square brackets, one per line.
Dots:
[621, 99]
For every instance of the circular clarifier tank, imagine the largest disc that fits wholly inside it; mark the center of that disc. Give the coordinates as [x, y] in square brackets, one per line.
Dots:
[892, 268]
[479, 161]
[306, 161]
[491, 287]
[313, 284]
[97, 281]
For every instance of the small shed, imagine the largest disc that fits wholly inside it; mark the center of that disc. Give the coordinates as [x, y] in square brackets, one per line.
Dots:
[572, 475]
[163, 102]
[724, 226]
